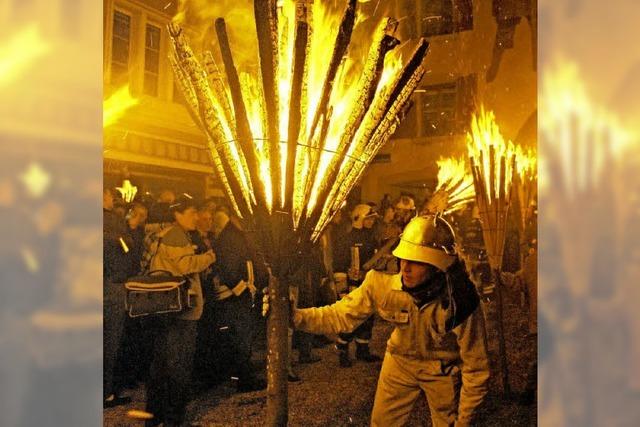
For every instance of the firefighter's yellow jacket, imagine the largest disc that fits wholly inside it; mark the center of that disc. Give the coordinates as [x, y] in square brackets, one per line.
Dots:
[419, 332]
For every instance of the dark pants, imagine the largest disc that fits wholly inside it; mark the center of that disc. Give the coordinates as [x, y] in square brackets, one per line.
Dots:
[234, 325]
[170, 372]
[113, 323]
[362, 334]
[206, 357]
[303, 341]
[134, 356]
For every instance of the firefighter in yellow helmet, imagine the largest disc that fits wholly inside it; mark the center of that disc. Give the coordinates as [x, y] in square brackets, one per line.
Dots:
[362, 244]
[439, 342]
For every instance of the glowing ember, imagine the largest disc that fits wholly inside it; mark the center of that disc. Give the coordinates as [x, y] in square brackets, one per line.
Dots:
[117, 105]
[19, 52]
[296, 134]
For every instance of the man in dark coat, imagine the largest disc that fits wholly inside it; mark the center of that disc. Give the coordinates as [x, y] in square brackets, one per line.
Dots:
[234, 292]
[116, 264]
[363, 244]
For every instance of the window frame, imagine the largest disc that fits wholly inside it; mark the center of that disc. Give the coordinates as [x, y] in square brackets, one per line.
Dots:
[147, 73]
[125, 67]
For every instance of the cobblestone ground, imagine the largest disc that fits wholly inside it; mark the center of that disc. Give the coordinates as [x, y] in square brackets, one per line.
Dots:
[332, 396]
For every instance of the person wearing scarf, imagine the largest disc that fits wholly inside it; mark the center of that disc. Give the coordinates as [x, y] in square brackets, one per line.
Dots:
[439, 343]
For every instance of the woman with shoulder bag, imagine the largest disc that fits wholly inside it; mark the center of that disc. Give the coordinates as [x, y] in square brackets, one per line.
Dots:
[175, 334]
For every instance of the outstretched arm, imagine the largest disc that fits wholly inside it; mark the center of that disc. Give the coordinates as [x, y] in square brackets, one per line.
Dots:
[342, 316]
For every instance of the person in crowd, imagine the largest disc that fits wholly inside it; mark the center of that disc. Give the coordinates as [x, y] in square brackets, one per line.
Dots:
[304, 285]
[136, 220]
[385, 202]
[234, 291]
[362, 246]
[205, 355]
[119, 206]
[134, 356]
[160, 208]
[404, 211]
[174, 336]
[386, 228]
[167, 196]
[202, 236]
[439, 344]
[210, 204]
[116, 263]
[335, 252]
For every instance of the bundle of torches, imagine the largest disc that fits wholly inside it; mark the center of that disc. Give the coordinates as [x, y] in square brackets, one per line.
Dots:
[296, 137]
[496, 169]
[454, 189]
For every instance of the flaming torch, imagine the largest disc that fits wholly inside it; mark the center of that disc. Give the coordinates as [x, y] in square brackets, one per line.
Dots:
[493, 166]
[454, 189]
[289, 142]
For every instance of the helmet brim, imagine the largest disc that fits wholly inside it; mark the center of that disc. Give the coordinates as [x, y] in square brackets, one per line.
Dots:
[413, 252]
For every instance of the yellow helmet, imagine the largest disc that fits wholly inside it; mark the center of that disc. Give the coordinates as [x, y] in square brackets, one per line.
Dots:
[429, 239]
[359, 213]
[406, 203]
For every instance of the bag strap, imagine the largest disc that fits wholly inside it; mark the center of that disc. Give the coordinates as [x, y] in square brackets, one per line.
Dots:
[161, 271]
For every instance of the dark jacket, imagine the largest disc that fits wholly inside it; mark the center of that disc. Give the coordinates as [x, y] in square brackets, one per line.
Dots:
[116, 256]
[232, 254]
[137, 249]
[365, 240]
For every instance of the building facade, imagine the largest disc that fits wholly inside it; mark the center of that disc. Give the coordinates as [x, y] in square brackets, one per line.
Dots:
[156, 143]
[463, 73]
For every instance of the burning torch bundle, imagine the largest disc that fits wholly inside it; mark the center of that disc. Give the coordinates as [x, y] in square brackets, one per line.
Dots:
[493, 165]
[454, 189]
[297, 135]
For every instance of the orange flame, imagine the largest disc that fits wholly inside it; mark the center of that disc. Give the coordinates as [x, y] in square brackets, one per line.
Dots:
[321, 136]
[485, 136]
[455, 183]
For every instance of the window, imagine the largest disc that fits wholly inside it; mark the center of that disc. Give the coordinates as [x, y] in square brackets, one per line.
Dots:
[438, 109]
[151, 60]
[120, 48]
[438, 17]
[445, 109]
